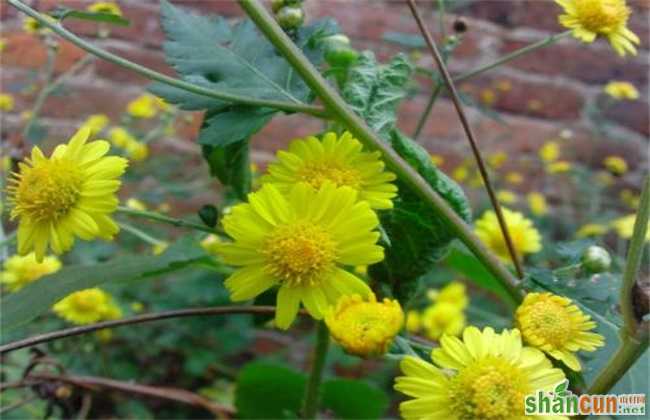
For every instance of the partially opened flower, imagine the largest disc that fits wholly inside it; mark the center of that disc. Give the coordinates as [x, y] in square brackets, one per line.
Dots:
[525, 238]
[608, 18]
[71, 194]
[616, 165]
[18, 271]
[365, 327]
[621, 90]
[300, 242]
[557, 326]
[340, 160]
[87, 306]
[105, 7]
[484, 376]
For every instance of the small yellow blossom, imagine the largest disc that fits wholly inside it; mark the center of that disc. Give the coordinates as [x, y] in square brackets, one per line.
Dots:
[87, 307]
[120, 137]
[561, 166]
[496, 160]
[443, 318]
[537, 203]
[622, 91]
[555, 325]
[105, 7]
[20, 271]
[591, 229]
[137, 307]
[590, 18]
[437, 160]
[624, 227]
[135, 204]
[630, 199]
[6, 102]
[365, 328]
[413, 322]
[460, 173]
[549, 152]
[137, 151]
[526, 239]
[144, 106]
[488, 97]
[33, 26]
[514, 178]
[454, 293]
[483, 376]
[211, 244]
[616, 165]
[507, 197]
[159, 248]
[3, 44]
[96, 123]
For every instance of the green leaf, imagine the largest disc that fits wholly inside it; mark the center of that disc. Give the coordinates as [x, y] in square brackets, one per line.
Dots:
[374, 91]
[231, 165]
[351, 399]
[268, 391]
[38, 297]
[419, 237]
[62, 13]
[230, 126]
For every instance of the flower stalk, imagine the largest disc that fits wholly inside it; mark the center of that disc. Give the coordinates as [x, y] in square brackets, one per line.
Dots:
[310, 401]
[166, 219]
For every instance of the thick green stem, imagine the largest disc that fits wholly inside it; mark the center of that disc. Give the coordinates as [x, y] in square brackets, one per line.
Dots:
[339, 109]
[166, 219]
[159, 77]
[310, 401]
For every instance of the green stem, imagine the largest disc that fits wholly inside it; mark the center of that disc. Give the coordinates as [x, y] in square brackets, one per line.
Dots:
[165, 219]
[145, 237]
[339, 109]
[159, 77]
[44, 93]
[310, 402]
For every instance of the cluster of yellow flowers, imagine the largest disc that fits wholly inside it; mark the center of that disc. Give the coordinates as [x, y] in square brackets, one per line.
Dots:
[146, 106]
[18, 271]
[87, 306]
[444, 316]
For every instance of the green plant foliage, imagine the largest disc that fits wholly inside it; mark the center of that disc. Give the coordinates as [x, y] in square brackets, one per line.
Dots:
[266, 390]
[352, 399]
[418, 237]
[62, 13]
[374, 91]
[36, 298]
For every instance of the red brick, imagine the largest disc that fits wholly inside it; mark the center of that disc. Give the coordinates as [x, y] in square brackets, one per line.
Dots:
[77, 102]
[28, 51]
[152, 59]
[630, 114]
[539, 14]
[283, 129]
[579, 61]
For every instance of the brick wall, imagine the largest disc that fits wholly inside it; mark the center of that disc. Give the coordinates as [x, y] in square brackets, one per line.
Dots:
[537, 96]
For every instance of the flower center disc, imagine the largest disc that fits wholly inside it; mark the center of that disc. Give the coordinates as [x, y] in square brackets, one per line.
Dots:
[602, 16]
[551, 322]
[299, 253]
[316, 174]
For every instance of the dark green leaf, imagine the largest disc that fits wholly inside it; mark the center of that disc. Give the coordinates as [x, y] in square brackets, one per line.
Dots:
[374, 91]
[62, 13]
[231, 165]
[268, 391]
[419, 237]
[38, 297]
[233, 125]
[351, 399]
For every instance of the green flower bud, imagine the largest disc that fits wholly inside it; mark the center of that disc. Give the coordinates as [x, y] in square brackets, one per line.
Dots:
[596, 259]
[341, 56]
[290, 17]
[209, 215]
[277, 5]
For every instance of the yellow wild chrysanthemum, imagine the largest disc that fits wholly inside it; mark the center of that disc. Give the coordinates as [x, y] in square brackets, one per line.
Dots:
[537, 203]
[549, 152]
[624, 227]
[299, 241]
[615, 165]
[33, 26]
[507, 197]
[96, 123]
[484, 376]
[3, 44]
[437, 160]
[340, 160]
[590, 18]
[70, 194]
[413, 321]
[591, 229]
[105, 7]
[496, 160]
[622, 91]
[557, 327]
[144, 106]
[460, 173]
[6, 102]
[137, 151]
[443, 318]
[525, 238]
[514, 178]
[18, 271]
[561, 166]
[365, 327]
[454, 293]
[120, 137]
[87, 306]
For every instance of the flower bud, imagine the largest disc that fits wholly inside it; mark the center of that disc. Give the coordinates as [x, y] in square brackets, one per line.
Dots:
[596, 259]
[290, 17]
[277, 5]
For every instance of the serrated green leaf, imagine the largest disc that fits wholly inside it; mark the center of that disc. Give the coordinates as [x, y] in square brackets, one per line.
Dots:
[268, 391]
[419, 237]
[62, 13]
[227, 127]
[352, 399]
[374, 91]
[38, 297]
[231, 165]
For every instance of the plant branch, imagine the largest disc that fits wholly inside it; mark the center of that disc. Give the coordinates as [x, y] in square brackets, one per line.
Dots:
[166, 219]
[143, 236]
[159, 77]
[339, 109]
[470, 135]
[179, 313]
[310, 402]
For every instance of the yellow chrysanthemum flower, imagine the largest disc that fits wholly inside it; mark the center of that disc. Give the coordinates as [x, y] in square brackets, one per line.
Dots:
[484, 376]
[621, 90]
[590, 18]
[340, 160]
[70, 194]
[454, 293]
[120, 137]
[591, 229]
[6, 102]
[19, 271]
[87, 306]
[299, 241]
[525, 238]
[496, 160]
[615, 165]
[624, 227]
[558, 167]
[33, 26]
[137, 151]
[437, 160]
[443, 318]
[507, 197]
[144, 106]
[537, 203]
[549, 152]
[105, 7]
[96, 123]
[413, 321]
[557, 327]
[514, 178]
[365, 327]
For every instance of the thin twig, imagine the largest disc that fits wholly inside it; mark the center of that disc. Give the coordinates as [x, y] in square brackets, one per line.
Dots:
[179, 313]
[166, 219]
[468, 131]
[17, 404]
